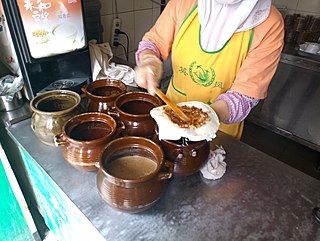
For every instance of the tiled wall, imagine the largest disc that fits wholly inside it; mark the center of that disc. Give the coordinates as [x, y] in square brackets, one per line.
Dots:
[303, 7]
[137, 17]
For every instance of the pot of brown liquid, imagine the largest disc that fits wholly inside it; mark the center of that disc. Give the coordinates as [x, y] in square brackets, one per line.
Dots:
[102, 93]
[50, 112]
[187, 156]
[132, 111]
[83, 138]
[132, 173]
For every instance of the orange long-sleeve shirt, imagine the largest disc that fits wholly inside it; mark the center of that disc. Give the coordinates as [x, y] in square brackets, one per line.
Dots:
[262, 60]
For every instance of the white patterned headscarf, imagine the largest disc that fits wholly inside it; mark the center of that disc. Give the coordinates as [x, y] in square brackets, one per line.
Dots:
[220, 19]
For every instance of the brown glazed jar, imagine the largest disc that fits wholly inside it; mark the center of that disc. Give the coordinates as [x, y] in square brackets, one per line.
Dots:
[51, 110]
[132, 174]
[83, 138]
[187, 156]
[132, 111]
[102, 93]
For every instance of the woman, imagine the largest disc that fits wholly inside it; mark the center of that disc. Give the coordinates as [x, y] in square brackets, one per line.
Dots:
[224, 53]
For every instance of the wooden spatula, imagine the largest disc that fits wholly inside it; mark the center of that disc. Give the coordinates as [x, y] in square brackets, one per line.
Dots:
[173, 106]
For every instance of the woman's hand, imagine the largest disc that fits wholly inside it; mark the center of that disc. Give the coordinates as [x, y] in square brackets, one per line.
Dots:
[148, 71]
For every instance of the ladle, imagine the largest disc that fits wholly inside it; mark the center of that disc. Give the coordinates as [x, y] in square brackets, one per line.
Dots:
[173, 106]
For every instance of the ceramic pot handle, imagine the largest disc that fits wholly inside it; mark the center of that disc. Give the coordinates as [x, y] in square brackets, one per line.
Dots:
[112, 111]
[121, 126]
[84, 104]
[193, 152]
[59, 140]
[84, 89]
[97, 165]
[177, 154]
[33, 127]
[167, 174]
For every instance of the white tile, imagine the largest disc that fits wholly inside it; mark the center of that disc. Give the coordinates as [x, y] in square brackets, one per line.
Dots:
[155, 14]
[106, 7]
[142, 4]
[291, 4]
[312, 6]
[106, 22]
[120, 53]
[114, 50]
[124, 5]
[290, 11]
[132, 58]
[143, 23]
[303, 13]
[127, 26]
[156, 3]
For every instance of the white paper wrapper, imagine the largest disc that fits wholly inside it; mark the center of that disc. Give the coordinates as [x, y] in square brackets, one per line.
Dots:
[171, 131]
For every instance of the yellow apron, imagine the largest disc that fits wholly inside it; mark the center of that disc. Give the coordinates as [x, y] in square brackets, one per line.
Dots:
[202, 76]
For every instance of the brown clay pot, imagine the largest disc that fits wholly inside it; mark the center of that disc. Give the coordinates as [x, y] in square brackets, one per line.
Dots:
[132, 110]
[83, 138]
[187, 156]
[132, 174]
[102, 93]
[51, 110]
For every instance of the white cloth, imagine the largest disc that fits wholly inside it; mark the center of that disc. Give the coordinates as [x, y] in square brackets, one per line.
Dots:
[170, 131]
[9, 85]
[121, 72]
[220, 21]
[100, 56]
[215, 167]
[102, 68]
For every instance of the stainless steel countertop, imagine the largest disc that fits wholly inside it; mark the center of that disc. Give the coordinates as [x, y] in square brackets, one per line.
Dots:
[8, 118]
[258, 198]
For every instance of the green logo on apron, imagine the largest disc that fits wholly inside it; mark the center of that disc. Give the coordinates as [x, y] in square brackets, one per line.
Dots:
[201, 76]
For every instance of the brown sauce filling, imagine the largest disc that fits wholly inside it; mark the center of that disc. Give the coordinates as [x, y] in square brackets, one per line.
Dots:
[197, 117]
